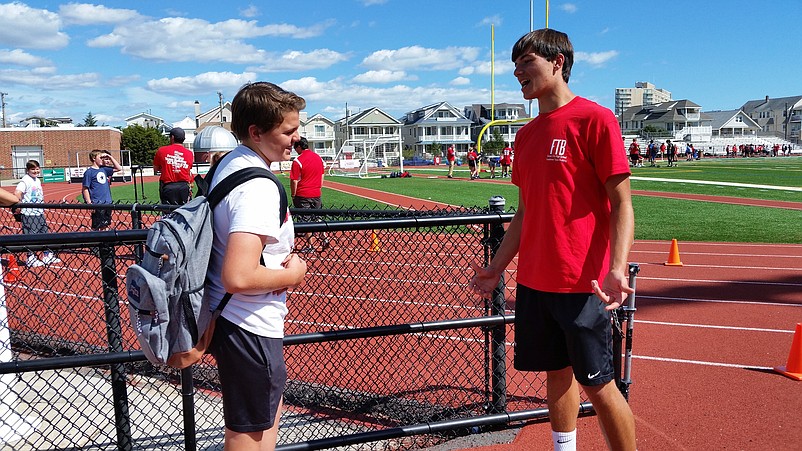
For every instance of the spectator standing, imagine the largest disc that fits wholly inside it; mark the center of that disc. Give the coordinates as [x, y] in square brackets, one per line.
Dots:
[451, 156]
[671, 150]
[174, 162]
[562, 318]
[252, 258]
[96, 186]
[652, 148]
[634, 153]
[29, 190]
[506, 159]
[472, 163]
[306, 181]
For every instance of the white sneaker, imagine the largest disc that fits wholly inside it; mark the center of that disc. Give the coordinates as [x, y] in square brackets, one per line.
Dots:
[33, 262]
[50, 259]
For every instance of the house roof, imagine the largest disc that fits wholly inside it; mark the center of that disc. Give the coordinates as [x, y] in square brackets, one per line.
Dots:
[768, 104]
[369, 116]
[720, 119]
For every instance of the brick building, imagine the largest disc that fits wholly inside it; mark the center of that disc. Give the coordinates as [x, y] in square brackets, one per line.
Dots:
[54, 147]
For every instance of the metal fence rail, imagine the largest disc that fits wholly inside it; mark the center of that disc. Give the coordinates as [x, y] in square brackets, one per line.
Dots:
[384, 341]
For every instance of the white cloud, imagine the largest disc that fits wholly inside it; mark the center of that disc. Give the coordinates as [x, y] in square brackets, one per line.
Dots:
[491, 20]
[201, 83]
[180, 39]
[25, 27]
[595, 58]
[250, 12]
[18, 57]
[87, 14]
[460, 81]
[417, 57]
[373, 2]
[570, 8]
[381, 76]
[295, 60]
[47, 82]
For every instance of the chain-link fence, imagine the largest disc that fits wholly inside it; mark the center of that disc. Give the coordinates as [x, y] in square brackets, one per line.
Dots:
[386, 346]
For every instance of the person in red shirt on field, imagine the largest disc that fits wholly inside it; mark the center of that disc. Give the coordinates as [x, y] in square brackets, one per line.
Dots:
[506, 159]
[572, 232]
[451, 156]
[175, 164]
[634, 153]
[472, 160]
[306, 183]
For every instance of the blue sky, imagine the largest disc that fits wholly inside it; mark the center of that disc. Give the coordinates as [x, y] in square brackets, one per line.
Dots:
[117, 59]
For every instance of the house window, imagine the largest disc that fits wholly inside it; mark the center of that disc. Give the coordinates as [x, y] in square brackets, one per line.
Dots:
[320, 130]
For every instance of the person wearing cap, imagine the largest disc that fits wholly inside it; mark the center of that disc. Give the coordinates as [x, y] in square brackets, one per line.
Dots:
[174, 162]
[306, 181]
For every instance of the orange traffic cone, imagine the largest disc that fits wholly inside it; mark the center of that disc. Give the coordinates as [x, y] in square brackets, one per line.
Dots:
[12, 270]
[673, 255]
[374, 243]
[793, 368]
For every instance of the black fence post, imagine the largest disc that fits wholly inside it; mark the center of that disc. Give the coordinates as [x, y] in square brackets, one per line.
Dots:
[108, 270]
[498, 305]
[188, 405]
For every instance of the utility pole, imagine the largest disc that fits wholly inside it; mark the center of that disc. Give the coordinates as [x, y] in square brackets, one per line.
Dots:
[220, 98]
[3, 103]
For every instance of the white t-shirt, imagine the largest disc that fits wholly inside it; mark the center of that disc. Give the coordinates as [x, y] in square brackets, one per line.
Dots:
[32, 193]
[252, 207]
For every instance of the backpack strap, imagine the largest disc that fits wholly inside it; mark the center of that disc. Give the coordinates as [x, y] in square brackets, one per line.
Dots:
[225, 186]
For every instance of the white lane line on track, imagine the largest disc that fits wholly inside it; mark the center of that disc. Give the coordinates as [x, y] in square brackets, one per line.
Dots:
[742, 282]
[721, 301]
[717, 254]
[769, 268]
[702, 362]
[708, 326]
[740, 245]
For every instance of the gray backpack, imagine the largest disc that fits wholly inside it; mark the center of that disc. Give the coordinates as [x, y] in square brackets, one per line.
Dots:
[169, 313]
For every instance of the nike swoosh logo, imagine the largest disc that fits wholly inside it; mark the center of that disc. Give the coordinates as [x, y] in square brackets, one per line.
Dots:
[563, 441]
[591, 376]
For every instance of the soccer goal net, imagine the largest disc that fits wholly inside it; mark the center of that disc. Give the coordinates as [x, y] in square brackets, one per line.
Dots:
[366, 158]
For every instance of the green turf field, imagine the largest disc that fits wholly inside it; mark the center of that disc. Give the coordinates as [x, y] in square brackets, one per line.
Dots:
[655, 217]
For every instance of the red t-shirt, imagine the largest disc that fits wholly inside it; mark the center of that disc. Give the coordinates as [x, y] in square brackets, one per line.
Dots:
[634, 149]
[307, 169]
[506, 156]
[450, 155]
[174, 162]
[563, 158]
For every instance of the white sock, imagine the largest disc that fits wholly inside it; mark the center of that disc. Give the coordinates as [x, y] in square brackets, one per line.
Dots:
[564, 441]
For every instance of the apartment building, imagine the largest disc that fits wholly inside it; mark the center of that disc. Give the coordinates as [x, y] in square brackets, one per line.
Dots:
[644, 93]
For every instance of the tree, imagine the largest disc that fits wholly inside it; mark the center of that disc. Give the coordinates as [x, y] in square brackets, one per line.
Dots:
[143, 143]
[89, 120]
[436, 149]
[495, 145]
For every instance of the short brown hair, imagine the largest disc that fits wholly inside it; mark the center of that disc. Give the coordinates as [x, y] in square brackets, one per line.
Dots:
[262, 104]
[547, 43]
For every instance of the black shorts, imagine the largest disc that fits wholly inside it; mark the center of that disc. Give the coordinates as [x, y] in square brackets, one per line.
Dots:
[306, 203]
[32, 224]
[557, 330]
[252, 376]
[471, 164]
[101, 219]
[175, 193]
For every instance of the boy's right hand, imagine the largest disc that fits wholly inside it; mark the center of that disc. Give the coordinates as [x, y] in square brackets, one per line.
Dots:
[484, 280]
[297, 266]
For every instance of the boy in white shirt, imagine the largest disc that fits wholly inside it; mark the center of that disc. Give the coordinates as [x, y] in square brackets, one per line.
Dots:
[252, 259]
[29, 190]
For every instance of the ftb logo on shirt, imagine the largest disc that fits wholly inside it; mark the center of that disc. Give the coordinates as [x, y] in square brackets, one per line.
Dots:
[557, 151]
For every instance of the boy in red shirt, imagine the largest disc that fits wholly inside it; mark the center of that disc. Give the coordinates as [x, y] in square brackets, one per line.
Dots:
[574, 227]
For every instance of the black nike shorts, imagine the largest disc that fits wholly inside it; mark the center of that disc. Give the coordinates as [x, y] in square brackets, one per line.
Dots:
[557, 330]
[252, 376]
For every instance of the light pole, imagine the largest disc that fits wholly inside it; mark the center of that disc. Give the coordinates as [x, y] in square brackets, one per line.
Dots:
[3, 105]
